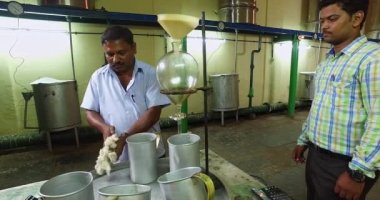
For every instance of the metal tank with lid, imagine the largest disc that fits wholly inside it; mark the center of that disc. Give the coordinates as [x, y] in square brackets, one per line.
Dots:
[225, 93]
[57, 105]
[237, 11]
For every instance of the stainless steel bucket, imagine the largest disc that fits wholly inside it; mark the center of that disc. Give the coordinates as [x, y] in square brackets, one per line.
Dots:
[125, 192]
[225, 92]
[142, 157]
[186, 184]
[69, 186]
[57, 105]
[183, 151]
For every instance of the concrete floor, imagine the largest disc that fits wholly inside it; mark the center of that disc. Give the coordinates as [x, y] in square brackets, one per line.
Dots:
[260, 147]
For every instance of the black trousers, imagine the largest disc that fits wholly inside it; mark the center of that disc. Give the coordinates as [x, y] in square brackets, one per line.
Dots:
[322, 171]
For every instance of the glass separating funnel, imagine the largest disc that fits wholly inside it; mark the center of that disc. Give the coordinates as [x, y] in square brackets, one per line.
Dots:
[177, 71]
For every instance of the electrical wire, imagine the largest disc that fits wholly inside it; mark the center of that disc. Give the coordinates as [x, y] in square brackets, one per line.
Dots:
[17, 58]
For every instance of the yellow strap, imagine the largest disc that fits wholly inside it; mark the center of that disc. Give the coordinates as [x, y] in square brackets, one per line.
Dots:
[209, 185]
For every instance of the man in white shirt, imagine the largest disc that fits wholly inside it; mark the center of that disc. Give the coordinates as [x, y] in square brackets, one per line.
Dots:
[123, 97]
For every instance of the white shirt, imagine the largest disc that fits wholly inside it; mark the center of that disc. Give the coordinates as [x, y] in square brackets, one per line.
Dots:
[121, 107]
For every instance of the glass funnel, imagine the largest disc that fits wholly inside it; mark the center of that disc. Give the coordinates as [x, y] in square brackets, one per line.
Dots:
[177, 71]
[177, 74]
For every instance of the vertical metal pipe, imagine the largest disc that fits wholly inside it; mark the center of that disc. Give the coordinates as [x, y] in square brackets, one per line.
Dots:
[293, 77]
[236, 49]
[71, 48]
[205, 91]
[252, 66]
[184, 106]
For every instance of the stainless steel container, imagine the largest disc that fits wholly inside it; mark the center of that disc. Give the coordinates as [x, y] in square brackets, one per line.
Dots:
[238, 11]
[184, 151]
[186, 184]
[225, 92]
[227, 3]
[142, 157]
[125, 192]
[57, 105]
[238, 14]
[69, 186]
[86, 4]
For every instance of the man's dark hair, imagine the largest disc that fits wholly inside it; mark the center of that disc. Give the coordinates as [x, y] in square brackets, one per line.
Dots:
[350, 6]
[117, 33]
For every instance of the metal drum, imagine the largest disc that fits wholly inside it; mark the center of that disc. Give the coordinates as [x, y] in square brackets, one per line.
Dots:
[238, 11]
[227, 3]
[225, 92]
[57, 105]
[86, 4]
[238, 14]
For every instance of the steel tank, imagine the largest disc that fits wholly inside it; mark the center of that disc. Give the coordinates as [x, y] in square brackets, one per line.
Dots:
[86, 4]
[237, 11]
[227, 3]
[225, 92]
[372, 24]
[57, 105]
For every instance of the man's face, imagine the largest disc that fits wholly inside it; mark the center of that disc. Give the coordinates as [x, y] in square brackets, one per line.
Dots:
[336, 24]
[119, 54]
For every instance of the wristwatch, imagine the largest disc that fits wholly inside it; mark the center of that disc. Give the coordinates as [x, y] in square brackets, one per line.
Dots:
[357, 175]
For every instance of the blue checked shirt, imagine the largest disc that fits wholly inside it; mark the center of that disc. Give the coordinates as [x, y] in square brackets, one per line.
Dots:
[345, 115]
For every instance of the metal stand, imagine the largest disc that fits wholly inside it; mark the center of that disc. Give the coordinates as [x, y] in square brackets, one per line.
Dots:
[205, 91]
[222, 116]
[48, 139]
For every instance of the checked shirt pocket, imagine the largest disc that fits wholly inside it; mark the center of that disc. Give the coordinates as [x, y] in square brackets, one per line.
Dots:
[342, 92]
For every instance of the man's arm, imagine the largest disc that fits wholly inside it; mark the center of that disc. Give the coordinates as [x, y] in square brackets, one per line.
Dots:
[298, 151]
[95, 120]
[366, 157]
[144, 123]
[367, 154]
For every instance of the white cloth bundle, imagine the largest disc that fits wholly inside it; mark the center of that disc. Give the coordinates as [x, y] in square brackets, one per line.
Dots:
[107, 155]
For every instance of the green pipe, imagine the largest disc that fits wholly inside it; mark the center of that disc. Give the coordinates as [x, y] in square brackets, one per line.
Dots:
[184, 107]
[293, 77]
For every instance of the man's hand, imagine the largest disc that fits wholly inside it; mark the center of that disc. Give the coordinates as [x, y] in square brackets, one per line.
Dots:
[107, 131]
[121, 143]
[298, 154]
[347, 188]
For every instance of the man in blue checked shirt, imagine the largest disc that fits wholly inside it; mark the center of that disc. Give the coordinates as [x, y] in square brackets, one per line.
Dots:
[123, 97]
[342, 131]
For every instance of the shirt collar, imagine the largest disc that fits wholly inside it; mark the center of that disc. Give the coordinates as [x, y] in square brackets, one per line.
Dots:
[351, 48]
[136, 68]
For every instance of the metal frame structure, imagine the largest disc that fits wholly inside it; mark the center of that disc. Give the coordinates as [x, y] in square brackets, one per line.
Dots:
[62, 13]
